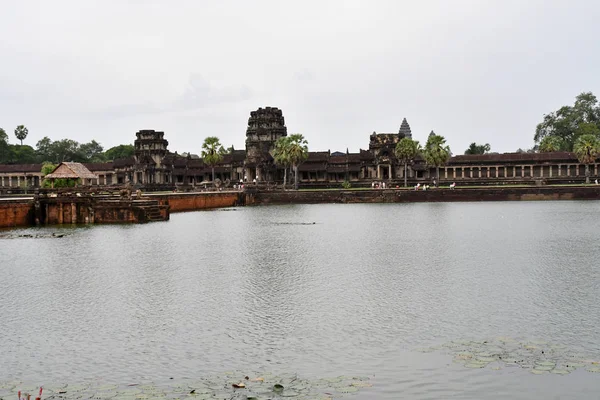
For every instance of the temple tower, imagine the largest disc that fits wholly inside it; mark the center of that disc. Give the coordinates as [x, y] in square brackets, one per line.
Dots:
[150, 151]
[265, 126]
[405, 130]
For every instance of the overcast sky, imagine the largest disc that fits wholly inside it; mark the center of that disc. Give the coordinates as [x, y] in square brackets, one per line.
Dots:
[472, 70]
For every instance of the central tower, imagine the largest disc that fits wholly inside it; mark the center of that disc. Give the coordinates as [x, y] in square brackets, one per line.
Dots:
[265, 126]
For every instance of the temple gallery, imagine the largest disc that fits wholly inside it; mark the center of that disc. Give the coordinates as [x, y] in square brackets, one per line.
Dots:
[153, 165]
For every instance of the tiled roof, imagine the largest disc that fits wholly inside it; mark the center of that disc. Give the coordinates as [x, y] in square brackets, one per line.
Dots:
[71, 170]
[20, 168]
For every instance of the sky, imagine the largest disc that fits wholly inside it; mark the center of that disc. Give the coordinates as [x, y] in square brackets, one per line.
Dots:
[482, 71]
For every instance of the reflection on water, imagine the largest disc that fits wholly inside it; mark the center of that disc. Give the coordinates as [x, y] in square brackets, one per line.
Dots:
[263, 288]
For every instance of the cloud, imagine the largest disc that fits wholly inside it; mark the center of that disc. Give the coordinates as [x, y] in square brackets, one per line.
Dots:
[198, 94]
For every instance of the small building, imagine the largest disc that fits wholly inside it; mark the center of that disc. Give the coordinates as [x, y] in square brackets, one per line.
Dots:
[72, 170]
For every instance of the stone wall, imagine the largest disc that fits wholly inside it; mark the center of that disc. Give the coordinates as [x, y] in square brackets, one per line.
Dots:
[432, 195]
[200, 201]
[16, 213]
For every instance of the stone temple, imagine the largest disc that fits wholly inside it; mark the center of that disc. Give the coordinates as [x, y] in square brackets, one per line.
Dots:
[154, 167]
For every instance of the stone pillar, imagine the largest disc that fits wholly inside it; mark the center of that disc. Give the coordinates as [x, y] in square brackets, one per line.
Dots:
[532, 174]
[390, 173]
[60, 213]
[18, 181]
[471, 172]
[115, 180]
[550, 171]
[559, 169]
[463, 172]
[454, 172]
[73, 213]
[479, 172]
[378, 172]
[578, 170]
[568, 169]
[445, 172]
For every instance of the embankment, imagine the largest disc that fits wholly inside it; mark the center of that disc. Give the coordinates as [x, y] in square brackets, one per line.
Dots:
[432, 195]
[16, 212]
[202, 201]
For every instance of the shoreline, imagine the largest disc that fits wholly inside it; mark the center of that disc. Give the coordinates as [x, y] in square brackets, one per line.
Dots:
[18, 212]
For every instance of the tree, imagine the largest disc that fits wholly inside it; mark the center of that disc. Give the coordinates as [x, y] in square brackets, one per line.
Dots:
[570, 122]
[121, 151]
[21, 133]
[551, 143]
[406, 152]
[92, 151]
[4, 146]
[586, 149]
[436, 152]
[212, 152]
[281, 155]
[475, 148]
[297, 153]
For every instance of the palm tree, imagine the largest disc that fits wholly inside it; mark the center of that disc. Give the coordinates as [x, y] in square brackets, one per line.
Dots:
[212, 153]
[550, 143]
[21, 133]
[586, 148]
[280, 155]
[297, 153]
[436, 152]
[406, 152]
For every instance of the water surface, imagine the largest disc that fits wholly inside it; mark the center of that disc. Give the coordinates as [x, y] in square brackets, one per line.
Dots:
[263, 288]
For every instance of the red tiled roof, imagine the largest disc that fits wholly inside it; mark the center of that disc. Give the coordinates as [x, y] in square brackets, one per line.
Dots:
[20, 168]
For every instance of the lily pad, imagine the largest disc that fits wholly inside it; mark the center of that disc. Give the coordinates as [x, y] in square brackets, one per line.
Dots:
[347, 389]
[560, 371]
[593, 369]
[538, 372]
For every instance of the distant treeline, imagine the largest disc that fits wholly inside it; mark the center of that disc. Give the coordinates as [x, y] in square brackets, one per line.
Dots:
[57, 151]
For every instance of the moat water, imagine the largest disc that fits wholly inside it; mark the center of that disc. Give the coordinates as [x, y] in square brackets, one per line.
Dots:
[392, 292]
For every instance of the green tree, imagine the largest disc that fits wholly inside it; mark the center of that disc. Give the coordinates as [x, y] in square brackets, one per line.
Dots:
[436, 152]
[92, 151]
[586, 149]
[570, 122]
[475, 148]
[43, 149]
[297, 153]
[212, 153]
[21, 154]
[21, 133]
[281, 156]
[551, 143]
[121, 151]
[4, 146]
[406, 152]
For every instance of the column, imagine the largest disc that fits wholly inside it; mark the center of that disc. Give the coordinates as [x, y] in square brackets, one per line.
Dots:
[550, 172]
[531, 167]
[559, 169]
[568, 169]
[115, 180]
[18, 181]
[463, 172]
[471, 172]
[445, 172]
[578, 170]
[2, 180]
[390, 169]
[73, 213]
[454, 172]
[479, 172]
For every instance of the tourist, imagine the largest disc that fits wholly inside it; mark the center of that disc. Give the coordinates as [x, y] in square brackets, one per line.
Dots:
[452, 185]
[254, 181]
[373, 185]
[383, 185]
[596, 181]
